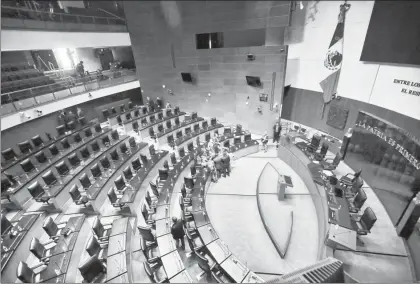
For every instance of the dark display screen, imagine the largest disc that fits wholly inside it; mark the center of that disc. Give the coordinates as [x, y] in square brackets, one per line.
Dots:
[390, 161]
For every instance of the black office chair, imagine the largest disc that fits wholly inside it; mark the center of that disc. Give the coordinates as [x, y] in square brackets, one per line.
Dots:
[114, 155]
[144, 159]
[101, 232]
[25, 274]
[358, 201]
[62, 169]
[136, 164]
[170, 139]
[77, 196]
[95, 248]
[163, 175]
[28, 167]
[52, 229]
[85, 181]
[50, 179]
[77, 138]
[122, 108]
[321, 155]
[71, 125]
[132, 142]
[93, 270]
[113, 110]
[9, 154]
[124, 149]
[65, 143]
[128, 174]
[177, 122]
[97, 128]
[156, 275]
[120, 184]
[106, 141]
[205, 262]
[113, 198]
[128, 116]
[144, 110]
[82, 120]
[40, 251]
[25, 147]
[114, 135]
[349, 178]
[152, 133]
[151, 199]
[147, 234]
[41, 158]
[53, 150]
[37, 141]
[330, 166]
[74, 160]
[105, 163]
[88, 132]
[119, 120]
[219, 277]
[135, 125]
[166, 165]
[151, 252]
[189, 182]
[364, 223]
[84, 152]
[148, 213]
[136, 113]
[173, 159]
[194, 242]
[38, 192]
[95, 146]
[96, 171]
[154, 189]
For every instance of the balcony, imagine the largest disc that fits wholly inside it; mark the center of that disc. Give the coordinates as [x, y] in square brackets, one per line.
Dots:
[21, 18]
[66, 87]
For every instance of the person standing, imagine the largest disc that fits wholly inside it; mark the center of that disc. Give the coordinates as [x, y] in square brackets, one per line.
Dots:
[226, 164]
[177, 231]
[276, 133]
[80, 69]
[264, 141]
[219, 166]
[80, 112]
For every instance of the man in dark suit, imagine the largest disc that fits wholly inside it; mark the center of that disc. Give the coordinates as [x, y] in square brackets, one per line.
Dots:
[218, 165]
[276, 132]
[226, 164]
[177, 231]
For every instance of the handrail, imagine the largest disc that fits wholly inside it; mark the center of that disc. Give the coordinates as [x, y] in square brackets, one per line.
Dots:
[270, 234]
[57, 13]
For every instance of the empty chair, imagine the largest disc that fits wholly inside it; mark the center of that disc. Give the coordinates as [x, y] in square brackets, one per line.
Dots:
[170, 139]
[65, 143]
[132, 142]
[95, 146]
[144, 110]
[105, 163]
[166, 165]
[74, 160]
[146, 234]
[37, 141]
[28, 167]
[37, 192]
[53, 150]
[62, 168]
[128, 174]
[115, 201]
[219, 277]
[105, 113]
[77, 138]
[160, 128]
[61, 129]
[152, 118]
[97, 128]
[128, 116]
[156, 275]
[173, 159]
[25, 147]
[152, 150]
[135, 125]
[114, 135]
[181, 152]
[94, 247]
[189, 182]
[205, 262]
[49, 178]
[77, 196]
[168, 124]
[136, 164]
[177, 123]
[363, 224]
[120, 183]
[88, 132]
[113, 110]
[96, 171]
[85, 181]
[5, 184]
[124, 149]
[92, 269]
[8, 154]
[358, 201]
[114, 155]
[25, 274]
[52, 229]
[106, 141]
[153, 187]
[122, 108]
[333, 165]
[151, 251]
[143, 122]
[151, 133]
[40, 251]
[100, 231]
[119, 120]
[136, 113]
[163, 174]
[84, 152]
[130, 105]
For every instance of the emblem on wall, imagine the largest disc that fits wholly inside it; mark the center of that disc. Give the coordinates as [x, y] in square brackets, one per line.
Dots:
[337, 117]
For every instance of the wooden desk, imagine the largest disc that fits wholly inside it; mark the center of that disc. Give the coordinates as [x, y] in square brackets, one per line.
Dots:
[57, 266]
[207, 234]
[182, 277]
[172, 263]
[219, 250]
[252, 278]
[343, 217]
[163, 227]
[197, 203]
[166, 244]
[116, 244]
[340, 236]
[235, 269]
[75, 223]
[116, 265]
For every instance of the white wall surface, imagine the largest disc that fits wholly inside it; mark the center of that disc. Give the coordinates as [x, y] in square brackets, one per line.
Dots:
[368, 82]
[15, 119]
[33, 40]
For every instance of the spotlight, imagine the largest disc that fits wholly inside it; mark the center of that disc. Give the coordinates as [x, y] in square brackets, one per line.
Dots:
[209, 94]
[163, 86]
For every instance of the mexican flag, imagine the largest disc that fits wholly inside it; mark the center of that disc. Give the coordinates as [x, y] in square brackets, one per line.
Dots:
[334, 59]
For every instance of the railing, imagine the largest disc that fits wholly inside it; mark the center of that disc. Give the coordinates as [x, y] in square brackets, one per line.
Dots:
[13, 17]
[69, 86]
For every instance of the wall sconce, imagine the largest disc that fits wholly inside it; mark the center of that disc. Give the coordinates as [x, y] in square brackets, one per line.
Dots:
[209, 94]
[163, 86]
[259, 109]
